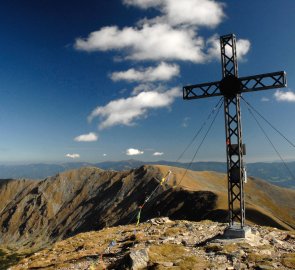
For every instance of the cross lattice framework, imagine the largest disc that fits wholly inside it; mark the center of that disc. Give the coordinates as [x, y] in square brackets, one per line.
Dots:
[231, 87]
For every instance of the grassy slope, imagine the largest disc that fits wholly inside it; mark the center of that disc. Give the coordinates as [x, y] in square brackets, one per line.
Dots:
[265, 203]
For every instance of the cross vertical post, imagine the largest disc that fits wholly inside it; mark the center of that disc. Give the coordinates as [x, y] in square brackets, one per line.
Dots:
[233, 129]
[231, 87]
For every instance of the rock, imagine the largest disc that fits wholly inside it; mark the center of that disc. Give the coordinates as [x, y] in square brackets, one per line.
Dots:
[243, 266]
[139, 259]
[241, 252]
[265, 252]
[276, 241]
[166, 264]
[167, 239]
[159, 221]
[165, 246]
[263, 267]
[151, 241]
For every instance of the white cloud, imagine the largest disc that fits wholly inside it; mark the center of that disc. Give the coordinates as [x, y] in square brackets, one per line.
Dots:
[143, 3]
[104, 155]
[170, 36]
[158, 154]
[133, 152]
[213, 51]
[73, 156]
[90, 137]
[185, 12]
[288, 96]
[264, 99]
[162, 72]
[139, 43]
[147, 87]
[243, 47]
[125, 110]
[185, 122]
[149, 42]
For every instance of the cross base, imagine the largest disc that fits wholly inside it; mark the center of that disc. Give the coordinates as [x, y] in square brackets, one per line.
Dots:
[236, 231]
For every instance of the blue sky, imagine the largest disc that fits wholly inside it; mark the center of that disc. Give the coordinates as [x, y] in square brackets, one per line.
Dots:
[101, 80]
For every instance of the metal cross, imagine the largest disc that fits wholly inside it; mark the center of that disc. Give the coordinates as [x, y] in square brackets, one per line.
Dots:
[231, 87]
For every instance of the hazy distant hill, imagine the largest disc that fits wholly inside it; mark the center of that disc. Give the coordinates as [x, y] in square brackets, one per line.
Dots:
[275, 172]
[35, 213]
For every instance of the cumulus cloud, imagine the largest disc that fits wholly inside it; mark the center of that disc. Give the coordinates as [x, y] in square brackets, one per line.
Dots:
[139, 43]
[170, 36]
[213, 45]
[73, 156]
[288, 96]
[90, 137]
[158, 154]
[125, 110]
[133, 152]
[185, 12]
[149, 42]
[162, 72]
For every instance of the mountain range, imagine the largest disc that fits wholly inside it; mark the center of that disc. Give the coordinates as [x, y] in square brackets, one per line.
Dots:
[275, 172]
[36, 214]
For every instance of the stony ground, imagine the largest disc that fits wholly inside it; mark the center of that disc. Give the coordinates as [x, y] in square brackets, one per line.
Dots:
[164, 244]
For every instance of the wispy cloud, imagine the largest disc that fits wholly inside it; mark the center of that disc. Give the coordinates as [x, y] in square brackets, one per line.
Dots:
[147, 87]
[158, 154]
[287, 96]
[133, 152]
[125, 111]
[90, 137]
[265, 99]
[72, 156]
[162, 72]
[185, 122]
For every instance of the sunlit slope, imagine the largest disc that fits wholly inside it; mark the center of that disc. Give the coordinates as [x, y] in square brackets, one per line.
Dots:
[265, 203]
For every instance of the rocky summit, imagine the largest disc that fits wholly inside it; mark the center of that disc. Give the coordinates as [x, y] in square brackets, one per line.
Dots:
[36, 214]
[161, 243]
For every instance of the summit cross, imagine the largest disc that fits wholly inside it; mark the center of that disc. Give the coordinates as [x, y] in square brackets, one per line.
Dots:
[231, 87]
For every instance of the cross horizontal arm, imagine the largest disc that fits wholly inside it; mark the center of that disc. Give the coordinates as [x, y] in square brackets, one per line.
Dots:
[263, 81]
[202, 90]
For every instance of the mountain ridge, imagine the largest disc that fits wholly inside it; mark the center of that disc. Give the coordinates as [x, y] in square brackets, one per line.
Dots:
[36, 214]
[274, 172]
[89, 198]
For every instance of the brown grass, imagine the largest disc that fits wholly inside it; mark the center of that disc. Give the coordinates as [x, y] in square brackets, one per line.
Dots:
[269, 200]
[258, 258]
[173, 231]
[177, 254]
[288, 260]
